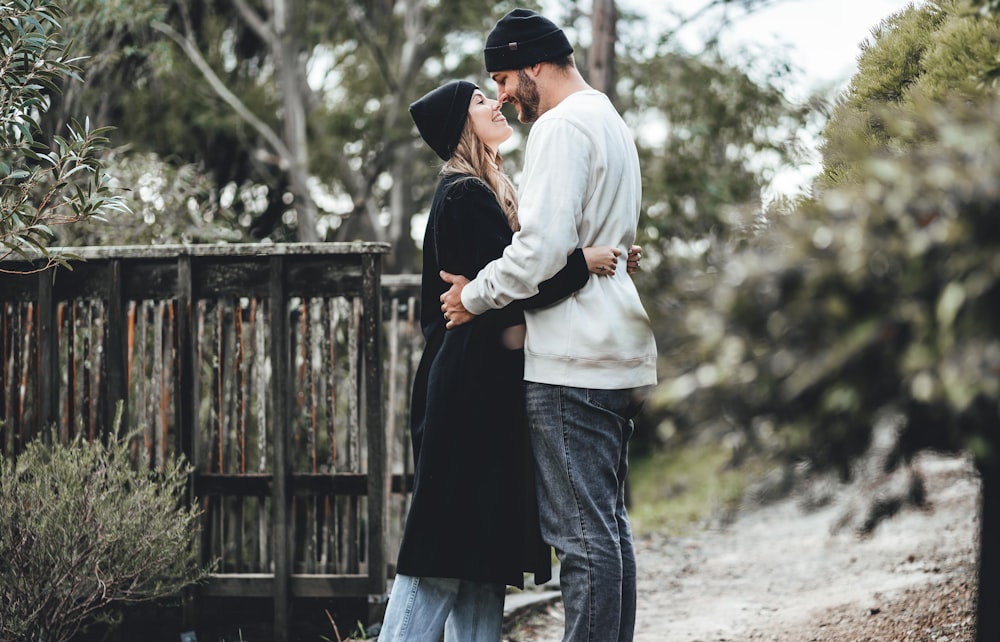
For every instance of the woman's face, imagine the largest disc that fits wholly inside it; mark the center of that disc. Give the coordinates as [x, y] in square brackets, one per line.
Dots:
[488, 123]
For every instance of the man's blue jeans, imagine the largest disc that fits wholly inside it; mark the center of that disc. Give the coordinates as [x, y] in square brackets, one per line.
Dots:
[420, 608]
[580, 442]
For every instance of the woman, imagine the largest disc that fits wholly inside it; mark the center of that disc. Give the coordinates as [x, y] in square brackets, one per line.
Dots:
[472, 527]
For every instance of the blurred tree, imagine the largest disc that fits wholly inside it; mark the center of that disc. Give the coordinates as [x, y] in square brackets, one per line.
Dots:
[710, 134]
[711, 138]
[987, 6]
[300, 102]
[902, 67]
[167, 203]
[45, 180]
[249, 91]
[713, 141]
[878, 298]
[601, 58]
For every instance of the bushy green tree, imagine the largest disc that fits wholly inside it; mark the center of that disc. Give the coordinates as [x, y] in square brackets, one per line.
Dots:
[878, 297]
[944, 51]
[82, 533]
[44, 181]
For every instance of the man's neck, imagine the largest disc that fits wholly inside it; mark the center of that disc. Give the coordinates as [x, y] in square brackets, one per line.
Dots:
[562, 86]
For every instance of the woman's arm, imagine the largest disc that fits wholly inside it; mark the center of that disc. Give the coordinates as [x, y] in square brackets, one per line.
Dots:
[599, 260]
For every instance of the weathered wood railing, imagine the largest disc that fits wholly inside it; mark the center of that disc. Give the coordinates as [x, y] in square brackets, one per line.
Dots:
[265, 365]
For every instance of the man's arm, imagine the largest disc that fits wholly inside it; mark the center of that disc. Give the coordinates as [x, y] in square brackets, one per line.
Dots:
[596, 260]
[552, 194]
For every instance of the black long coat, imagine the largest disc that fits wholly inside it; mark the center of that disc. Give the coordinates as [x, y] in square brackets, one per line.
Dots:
[473, 513]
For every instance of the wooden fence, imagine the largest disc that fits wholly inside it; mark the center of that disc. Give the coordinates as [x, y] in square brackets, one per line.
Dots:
[282, 372]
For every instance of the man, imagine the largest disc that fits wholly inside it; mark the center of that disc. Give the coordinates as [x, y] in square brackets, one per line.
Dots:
[588, 357]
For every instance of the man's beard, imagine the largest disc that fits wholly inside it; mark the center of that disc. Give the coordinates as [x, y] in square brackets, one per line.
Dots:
[527, 96]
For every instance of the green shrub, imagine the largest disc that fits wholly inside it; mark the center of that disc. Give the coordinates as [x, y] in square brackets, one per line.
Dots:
[82, 533]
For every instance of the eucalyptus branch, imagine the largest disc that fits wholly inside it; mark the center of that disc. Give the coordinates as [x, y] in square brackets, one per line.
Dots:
[43, 183]
[219, 87]
[285, 156]
[258, 25]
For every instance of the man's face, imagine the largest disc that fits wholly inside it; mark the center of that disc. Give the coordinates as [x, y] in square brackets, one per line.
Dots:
[519, 89]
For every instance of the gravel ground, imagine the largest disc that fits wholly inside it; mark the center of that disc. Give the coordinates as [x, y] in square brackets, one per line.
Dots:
[787, 573]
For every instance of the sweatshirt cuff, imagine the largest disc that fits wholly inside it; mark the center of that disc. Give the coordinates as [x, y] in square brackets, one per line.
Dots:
[471, 299]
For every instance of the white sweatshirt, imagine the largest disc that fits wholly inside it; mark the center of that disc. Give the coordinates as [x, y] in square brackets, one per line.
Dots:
[580, 187]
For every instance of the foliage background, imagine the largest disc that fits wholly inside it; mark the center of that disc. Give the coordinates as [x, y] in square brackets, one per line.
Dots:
[787, 329]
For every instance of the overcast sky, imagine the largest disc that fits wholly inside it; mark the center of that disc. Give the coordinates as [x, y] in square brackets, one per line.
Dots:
[823, 35]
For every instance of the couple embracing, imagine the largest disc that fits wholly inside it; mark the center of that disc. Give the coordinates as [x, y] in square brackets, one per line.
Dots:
[538, 351]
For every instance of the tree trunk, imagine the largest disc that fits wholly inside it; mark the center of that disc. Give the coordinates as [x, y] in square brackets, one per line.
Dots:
[601, 70]
[988, 616]
[403, 258]
[294, 116]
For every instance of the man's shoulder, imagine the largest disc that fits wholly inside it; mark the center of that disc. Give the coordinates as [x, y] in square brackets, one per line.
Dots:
[581, 110]
[581, 102]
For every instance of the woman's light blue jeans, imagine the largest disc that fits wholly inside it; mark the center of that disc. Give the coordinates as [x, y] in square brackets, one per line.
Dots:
[579, 438]
[420, 608]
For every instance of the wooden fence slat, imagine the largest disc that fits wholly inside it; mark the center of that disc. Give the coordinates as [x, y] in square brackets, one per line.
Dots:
[186, 391]
[113, 361]
[302, 484]
[46, 393]
[378, 488]
[281, 398]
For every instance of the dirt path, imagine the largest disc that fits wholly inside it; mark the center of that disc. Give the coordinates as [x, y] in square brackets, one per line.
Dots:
[785, 574]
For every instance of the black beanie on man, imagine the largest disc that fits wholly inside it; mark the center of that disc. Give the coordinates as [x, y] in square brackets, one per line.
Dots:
[523, 38]
[441, 113]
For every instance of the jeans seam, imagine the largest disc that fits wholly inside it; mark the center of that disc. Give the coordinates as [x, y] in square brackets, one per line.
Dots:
[475, 611]
[408, 611]
[591, 606]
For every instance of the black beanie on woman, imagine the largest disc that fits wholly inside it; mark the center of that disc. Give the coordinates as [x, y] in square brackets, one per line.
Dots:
[440, 115]
[523, 38]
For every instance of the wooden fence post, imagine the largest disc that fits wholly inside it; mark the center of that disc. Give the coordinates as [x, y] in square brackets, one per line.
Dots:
[47, 390]
[280, 493]
[114, 362]
[378, 469]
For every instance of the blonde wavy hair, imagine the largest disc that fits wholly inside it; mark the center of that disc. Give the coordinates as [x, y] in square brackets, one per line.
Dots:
[478, 161]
